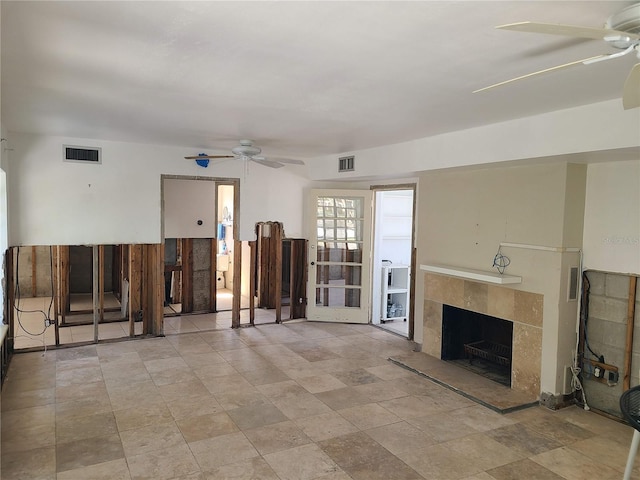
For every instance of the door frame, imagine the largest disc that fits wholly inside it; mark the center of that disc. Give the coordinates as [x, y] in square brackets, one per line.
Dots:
[412, 277]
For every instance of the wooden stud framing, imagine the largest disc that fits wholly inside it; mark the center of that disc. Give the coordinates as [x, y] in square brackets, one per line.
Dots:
[237, 279]
[412, 295]
[65, 297]
[276, 236]
[54, 293]
[101, 281]
[96, 290]
[187, 275]
[154, 286]
[34, 272]
[213, 304]
[11, 290]
[631, 306]
[135, 282]
[253, 245]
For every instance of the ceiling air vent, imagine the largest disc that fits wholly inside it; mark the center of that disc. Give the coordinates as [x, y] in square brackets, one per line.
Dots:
[72, 153]
[345, 164]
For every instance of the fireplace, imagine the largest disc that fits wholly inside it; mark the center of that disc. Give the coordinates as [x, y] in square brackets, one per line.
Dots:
[521, 309]
[480, 343]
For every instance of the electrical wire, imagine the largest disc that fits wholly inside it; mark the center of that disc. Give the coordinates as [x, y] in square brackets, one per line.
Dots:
[500, 261]
[18, 295]
[586, 286]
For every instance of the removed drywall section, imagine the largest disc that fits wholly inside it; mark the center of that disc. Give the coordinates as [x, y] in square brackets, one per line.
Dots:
[606, 336]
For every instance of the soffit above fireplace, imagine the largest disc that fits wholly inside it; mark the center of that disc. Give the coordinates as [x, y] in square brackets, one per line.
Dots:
[471, 274]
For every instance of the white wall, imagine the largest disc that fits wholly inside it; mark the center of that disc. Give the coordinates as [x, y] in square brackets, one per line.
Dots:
[465, 214]
[585, 130]
[185, 203]
[612, 217]
[61, 203]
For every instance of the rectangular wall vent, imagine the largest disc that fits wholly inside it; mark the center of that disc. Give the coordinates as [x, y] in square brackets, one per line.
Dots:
[72, 153]
[573, 283]
[346, 164]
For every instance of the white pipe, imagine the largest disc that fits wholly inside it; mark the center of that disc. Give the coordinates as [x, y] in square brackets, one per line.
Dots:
[541, 247]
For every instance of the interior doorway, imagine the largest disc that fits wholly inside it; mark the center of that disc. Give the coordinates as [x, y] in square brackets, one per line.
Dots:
[393, 262]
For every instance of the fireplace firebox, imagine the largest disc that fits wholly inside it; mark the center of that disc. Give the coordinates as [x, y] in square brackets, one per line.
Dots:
[478, 342]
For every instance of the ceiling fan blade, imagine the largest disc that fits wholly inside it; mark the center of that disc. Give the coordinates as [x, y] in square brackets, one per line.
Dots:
[539, 72]
[566, 30]
[266, 163]
[631, 91]
[203, 157]
[290, 161]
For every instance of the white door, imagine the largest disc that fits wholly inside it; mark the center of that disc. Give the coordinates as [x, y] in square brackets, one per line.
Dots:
[339, 286]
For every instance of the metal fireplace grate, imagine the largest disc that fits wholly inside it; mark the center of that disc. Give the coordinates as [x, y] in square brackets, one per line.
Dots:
[492, 352]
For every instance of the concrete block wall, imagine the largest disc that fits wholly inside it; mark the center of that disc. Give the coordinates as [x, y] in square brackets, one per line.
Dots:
[606, 334]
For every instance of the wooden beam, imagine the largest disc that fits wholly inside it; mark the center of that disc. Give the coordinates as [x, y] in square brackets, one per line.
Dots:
[187, 275]
[101, 280]
[276, 237]
[96, 290]
[54, 291]
[628, 351]
[135, 282]
[253, 246]
[34, 272]
[65, 297]
[412, 293]
[155, 288]
[11, 289]
[237, 283]
[213, 304]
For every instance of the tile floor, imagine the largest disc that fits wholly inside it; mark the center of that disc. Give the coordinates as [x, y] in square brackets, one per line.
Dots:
[297, 401]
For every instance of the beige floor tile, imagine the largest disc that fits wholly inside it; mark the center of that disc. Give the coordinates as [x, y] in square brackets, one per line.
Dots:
[113, 470]
[142, 416]
[28, 438]
[194, 406]
[215, 452]
[160, 436]
[287, 388]
[78, 428]
[325, 426]
[573, 465]
[181, 421]
[255, 467]
[39, 463]
[320, 383]
[516, 470]
[254, 416]
[400, 437]
[276, 437]
[300, 406]
[175, 392]
[369, 416]
[165, 464]
[88, 451]
[301, 463]
[206, 426]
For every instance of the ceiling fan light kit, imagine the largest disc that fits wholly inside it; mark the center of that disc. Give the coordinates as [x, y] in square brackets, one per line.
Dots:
[621, 31]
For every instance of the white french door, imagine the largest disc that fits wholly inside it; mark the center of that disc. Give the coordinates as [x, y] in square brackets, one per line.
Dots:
[339, 286]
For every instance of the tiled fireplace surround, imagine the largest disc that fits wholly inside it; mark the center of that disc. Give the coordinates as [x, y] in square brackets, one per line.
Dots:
[522, 308]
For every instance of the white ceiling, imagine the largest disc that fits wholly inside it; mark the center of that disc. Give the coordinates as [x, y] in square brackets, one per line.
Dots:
[302, 79]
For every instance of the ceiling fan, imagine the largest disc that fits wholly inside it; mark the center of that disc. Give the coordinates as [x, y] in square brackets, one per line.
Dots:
[621, 31]
[248, 151]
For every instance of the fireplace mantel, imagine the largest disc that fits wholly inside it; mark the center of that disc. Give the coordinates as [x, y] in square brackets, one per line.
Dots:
[470, 274]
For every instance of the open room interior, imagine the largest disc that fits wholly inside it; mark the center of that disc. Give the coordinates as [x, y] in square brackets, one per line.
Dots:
[320, 240]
